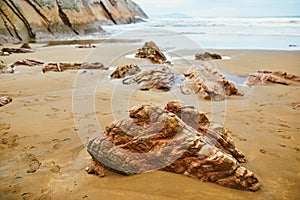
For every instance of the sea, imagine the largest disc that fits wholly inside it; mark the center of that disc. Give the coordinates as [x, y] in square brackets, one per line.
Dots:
[271, 33]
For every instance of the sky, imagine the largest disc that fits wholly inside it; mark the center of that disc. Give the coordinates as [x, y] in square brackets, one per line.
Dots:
[221, 8]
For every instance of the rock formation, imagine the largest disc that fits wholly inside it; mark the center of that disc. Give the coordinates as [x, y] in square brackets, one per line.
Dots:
[59, 67]
[229, 87]
[264, 77]
[28, 20]
[28, 62]
[151, 51]
[9, 51]
[126, 70]
[177, 139]
[86, 46]
[5, 100]
[215, 89]
[161, 78]
[207, 56]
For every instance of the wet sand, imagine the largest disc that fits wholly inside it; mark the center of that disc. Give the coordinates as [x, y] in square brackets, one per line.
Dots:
[39, 125]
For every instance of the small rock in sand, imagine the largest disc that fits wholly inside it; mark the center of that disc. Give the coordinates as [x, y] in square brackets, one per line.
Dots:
[28, 62]
[207, 56]
[151, 51]
[5, 100]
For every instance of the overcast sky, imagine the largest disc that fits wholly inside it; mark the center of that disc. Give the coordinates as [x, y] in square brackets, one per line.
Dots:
[221, 8]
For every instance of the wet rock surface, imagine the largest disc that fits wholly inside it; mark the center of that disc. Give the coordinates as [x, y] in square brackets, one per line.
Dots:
[126, 70]
[207, 56]
[5, 100]
[60, 67]
[151, 51]
[229, 87]
[177, 139]
[161, 78]
[214, 89]
[264, 77]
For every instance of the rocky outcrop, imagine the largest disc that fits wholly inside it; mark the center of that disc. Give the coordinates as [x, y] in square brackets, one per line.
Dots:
[177, 139]
[215, 89]
[264, 77]
[151, 51]
[28, 20]
[207, 56]
[5, 100]
[229, 87]
[126, 70]
[60, 67]
[161, 78]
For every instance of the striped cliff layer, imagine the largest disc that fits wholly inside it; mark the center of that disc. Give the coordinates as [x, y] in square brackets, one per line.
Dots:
[28, 20]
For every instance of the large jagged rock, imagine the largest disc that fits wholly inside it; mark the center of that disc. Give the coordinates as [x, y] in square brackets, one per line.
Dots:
[126, 70]
[177, 139]
[5, 100]
[264, 77]
[161, 78]
[5, 69]
[28, 20]
[151, 51]
[215, 89]
[207, 56]
[60, 67]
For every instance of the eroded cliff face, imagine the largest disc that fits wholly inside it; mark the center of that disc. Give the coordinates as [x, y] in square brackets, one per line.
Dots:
[27, 20]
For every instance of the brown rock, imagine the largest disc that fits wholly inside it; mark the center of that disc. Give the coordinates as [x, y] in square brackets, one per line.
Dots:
[5, 100]
[154, 138]
[51, 67]
[69, 66]
[161, 78]
[95, 65]
[86, 46]
[28, 62]
[16, 50]
[264, 77]
[207, 56]
[59, 67]
[210, 91]
[126, 70]
[25, 46]
[151, 51]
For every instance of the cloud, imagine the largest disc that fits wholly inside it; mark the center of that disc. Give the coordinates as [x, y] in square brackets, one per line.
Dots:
[222, 8]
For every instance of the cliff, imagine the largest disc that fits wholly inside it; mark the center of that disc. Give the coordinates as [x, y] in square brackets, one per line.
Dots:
[28, 20]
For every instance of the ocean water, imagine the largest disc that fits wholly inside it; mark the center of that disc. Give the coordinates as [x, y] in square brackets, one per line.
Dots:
[275, 33]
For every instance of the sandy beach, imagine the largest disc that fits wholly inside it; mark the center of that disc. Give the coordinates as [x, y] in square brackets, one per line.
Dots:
[38, 125]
